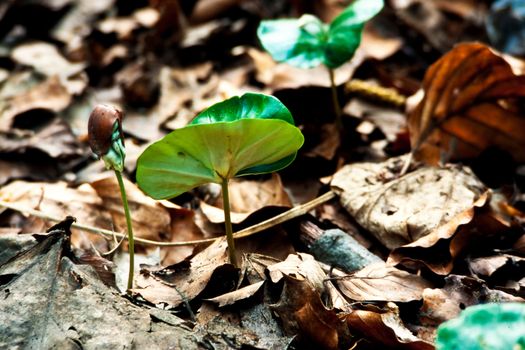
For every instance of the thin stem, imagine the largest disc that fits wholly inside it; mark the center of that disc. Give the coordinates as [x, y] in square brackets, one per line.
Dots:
[335, 101]
[261, 226]
[131, 242]
[228, 222]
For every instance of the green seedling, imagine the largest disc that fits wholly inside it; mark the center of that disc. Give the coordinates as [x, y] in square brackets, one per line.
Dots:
[246, 135]
[307, 42]
[107, 142]
[485, 327]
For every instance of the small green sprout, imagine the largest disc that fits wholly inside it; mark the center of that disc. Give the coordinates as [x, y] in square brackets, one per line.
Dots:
[307, 42]
[250, 134]
[107, 142]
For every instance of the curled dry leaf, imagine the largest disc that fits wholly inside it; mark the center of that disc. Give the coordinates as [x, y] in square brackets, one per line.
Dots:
[471, 103]
[186, 280]
[301, 267]
[439, 248]
[385, 327]
[237, 295]
[400, 210]
[379, 282]
[302, 313]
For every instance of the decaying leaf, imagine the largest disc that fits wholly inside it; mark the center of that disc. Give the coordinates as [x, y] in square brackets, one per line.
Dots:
[385, 327]
[400, 210]
[49, 95]
[301, 267]
[57, 199]
[45, 297]
[459, 292]
[438, 249]
[186, 280]
[237, 295]
[471, 103]
[302, 313]
[379, 282]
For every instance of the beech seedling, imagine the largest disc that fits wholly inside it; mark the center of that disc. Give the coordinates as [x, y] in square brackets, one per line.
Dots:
[250, 134]
[307, 42]
[106, 140]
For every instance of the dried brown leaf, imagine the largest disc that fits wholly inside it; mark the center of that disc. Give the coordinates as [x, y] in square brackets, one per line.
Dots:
[149, 218]
[237, 295]
[302, 312]
[301, 267]
[400, 210]
[186, 280]
[385, 327]
[439, 248]
[469, 105]
[379, 282]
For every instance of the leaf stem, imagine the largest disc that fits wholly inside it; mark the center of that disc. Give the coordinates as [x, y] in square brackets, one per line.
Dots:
[335, 101]
[228, 222]
[131, 242]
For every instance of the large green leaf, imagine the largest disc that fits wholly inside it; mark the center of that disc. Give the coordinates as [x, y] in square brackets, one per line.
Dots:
[489, 326]
[211, 149]
[307, 42]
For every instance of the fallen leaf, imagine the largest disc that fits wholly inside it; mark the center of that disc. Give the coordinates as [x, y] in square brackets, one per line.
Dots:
[438, 249]
[400, 210]
[58, 200]
[237, 295]
[183, 228]
[149, 218]
[49, 95]
[46, 276]
[247, 196]
[379, 282]
[385, 327]
[54, 139]
[185, 281]
[302, 313]
[459, 292]
[300, 266]
[469, 105]
[46, 59]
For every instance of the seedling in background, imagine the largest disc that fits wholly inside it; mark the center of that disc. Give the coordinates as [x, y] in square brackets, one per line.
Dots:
[107, 142]
[489, 326]
[246, 135]
[307, 42]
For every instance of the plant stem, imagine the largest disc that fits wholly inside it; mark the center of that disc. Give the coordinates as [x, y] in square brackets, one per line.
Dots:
[228, 223]
[335, 101]
[131, 242]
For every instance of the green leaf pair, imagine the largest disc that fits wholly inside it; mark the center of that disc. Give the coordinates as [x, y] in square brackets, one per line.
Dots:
[251, 134]
[307, 42]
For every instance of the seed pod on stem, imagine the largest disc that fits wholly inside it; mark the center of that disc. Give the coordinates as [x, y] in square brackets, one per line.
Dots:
[107, 142]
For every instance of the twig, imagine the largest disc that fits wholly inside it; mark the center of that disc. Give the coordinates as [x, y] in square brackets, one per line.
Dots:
[266, 224]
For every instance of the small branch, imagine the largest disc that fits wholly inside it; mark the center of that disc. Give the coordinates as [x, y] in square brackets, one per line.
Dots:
[376, 93]
[264, 225]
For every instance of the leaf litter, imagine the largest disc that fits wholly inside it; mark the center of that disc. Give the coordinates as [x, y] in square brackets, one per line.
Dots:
[445, 237]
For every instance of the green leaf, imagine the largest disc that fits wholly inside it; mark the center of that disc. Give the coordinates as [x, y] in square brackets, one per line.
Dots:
[232, 138]
[488, 326]
[307, 42]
